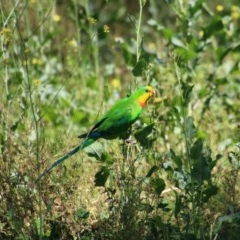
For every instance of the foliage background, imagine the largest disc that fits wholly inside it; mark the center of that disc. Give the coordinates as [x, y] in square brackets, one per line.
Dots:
[63, 63]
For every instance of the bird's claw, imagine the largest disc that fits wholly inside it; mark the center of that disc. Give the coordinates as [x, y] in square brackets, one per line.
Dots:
[130, 141]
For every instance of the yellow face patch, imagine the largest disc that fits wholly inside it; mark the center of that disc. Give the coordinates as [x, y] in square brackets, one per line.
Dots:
[149, 92]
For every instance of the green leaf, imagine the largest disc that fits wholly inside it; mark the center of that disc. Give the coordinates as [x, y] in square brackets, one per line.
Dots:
[177, 160]
[143, 62]
[186, 89]
[158, 185]
[189, 129]
[51, 114]
[167, 33]
[163, 206]
[101, 176]
[142, 135]
[185, 53]
[129, 57]
[196, 149]
[202, 162]
[18, 77]
[15, 125]
[228, 221]
[209, 192]
[177, 42]
[234, 159]
[151, 171]
[176, 113]
[215, 25]
[82, 213]
[37, 222]
[222, 52]
[140, 67]
[97, 151]
[79, 117]
[195, 7]
[178, 204]
[158, 222]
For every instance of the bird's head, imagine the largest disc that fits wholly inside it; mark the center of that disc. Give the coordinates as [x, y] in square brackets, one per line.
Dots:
[144, 94]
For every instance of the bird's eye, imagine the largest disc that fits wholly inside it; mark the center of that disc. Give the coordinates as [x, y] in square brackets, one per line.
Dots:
[147, 90]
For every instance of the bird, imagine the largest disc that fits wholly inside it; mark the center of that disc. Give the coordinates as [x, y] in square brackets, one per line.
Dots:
[116, 122]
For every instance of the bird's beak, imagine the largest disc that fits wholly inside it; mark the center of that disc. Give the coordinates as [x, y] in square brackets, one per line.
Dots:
[154, 93]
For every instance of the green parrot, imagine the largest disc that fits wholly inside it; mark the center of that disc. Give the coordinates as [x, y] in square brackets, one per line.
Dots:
[114, 123]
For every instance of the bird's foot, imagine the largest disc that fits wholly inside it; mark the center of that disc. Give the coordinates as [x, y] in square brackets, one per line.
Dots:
[129, 140]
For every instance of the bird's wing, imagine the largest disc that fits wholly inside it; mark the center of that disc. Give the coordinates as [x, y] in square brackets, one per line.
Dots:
[116, 121]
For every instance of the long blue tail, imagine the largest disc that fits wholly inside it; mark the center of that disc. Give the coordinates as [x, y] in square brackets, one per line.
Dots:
[83, 145]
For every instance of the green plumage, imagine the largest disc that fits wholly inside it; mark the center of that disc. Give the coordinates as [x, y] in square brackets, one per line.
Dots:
[114, 123]
[118, 119]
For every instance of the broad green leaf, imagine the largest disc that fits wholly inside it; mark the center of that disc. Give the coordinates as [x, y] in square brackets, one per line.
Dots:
[176, 113]
[82, 213]
[142, 135]
[222, 52]
[178, 204]
[158, 185]
[167, 33]
[189, 129]
[101, 176]
[151, 171]
[209, 192]
[177, 160]
[129, 57]
[186, 89]
[140, 67]
[158, 221]
[177, 42]
[196, 150]
[215, 25]
[202, 162]
[195, 7]
[97, 151]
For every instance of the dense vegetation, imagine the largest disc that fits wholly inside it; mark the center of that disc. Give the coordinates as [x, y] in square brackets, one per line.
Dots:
[63, 63]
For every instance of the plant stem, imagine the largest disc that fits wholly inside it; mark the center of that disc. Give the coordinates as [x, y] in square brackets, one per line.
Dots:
[138, 30]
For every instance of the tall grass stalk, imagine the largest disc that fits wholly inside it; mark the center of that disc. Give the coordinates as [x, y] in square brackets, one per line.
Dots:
[36, 123]
[194, 216]
[26, 66]
[138, 29]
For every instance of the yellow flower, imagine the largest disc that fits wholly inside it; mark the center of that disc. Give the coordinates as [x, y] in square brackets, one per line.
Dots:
[235, 8]
[6, 31]
[235, 15]
[160, 99]
[92, 20]
[32, 2]
[152, 46]
[72, 43]
[56, 18]
[7, 34]
[106, 28]
[6, 60]
[116, 84]
[235, 12]
[27, 50]
[36, 82]
[219, 8]
[37, 61]
[201, 33]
